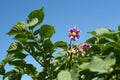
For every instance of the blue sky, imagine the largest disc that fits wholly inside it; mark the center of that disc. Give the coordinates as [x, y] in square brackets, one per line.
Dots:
[63, 14]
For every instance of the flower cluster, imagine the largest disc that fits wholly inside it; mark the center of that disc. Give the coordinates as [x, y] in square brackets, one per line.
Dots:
[78, 49]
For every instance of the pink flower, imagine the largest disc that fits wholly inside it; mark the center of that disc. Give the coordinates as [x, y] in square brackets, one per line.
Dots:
[85, 46]
[74, 33]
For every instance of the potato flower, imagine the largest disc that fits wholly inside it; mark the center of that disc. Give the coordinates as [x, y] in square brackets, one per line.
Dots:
[74, 33]
[85, 46]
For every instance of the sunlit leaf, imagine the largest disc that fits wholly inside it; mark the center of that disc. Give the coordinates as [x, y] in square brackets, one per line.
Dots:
[74, 73]
[15, 46]
[33, 22]
[8, 58]
[84, 66]
[101, 31]
[19, 27]
[98, 65]
[35, 17]
[110, 59]
[64, 75]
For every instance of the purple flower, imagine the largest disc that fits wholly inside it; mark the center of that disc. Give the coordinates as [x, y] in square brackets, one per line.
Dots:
[74, 33]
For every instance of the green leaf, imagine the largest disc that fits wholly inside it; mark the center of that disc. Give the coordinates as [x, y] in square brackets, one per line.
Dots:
[33, 22]
[84, 66]
[74, 73]
[2, 70]
[36, 32]
[30, 70]
[15, 46]
[103, 41]
[20, 55]
[110, 59]
[98, 65]
[47, 45]
[119, 27]
[9, 74]
[13, 75]
[22, 37]
[91, 40]
[19, 63]
[35, 17]
[93, 33]
[19, 27]
[8, 58]
[85, 59]
[60, 55]
[101, 31]
[96, 48]
[46, 31]
[111, 35]
[64, 75]
[61, 44]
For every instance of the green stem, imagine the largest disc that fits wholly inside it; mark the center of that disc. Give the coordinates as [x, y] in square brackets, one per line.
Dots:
[70, 47]
[45, 62]
[38, 48]
[34, 57]
[50, 72]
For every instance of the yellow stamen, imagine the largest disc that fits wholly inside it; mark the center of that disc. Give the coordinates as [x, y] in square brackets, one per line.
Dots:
[73, 33]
